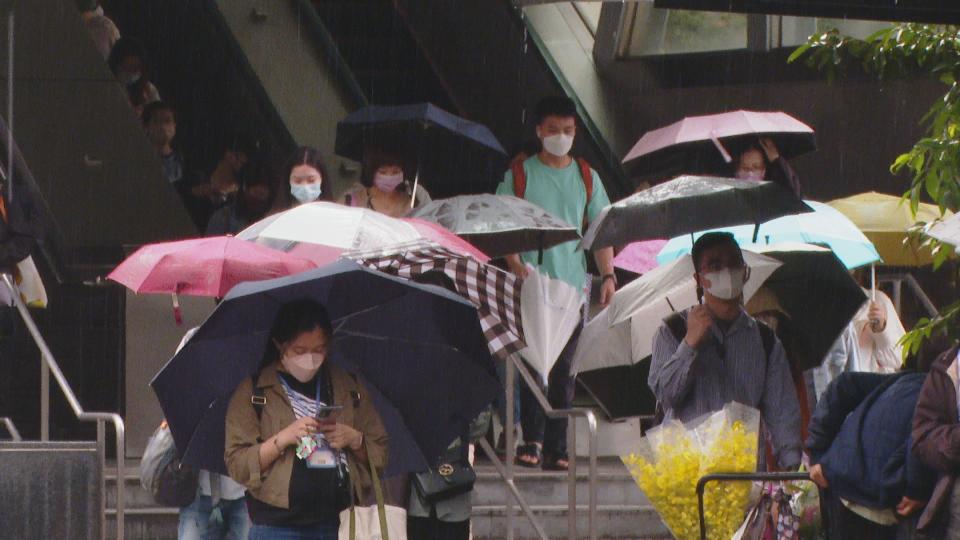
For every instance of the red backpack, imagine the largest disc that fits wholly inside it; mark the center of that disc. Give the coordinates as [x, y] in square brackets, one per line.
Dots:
[520, 182]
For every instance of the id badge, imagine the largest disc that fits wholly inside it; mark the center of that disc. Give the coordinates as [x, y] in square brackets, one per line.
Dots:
[322, 457]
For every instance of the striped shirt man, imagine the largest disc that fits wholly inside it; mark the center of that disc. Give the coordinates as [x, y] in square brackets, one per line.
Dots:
[730, 365]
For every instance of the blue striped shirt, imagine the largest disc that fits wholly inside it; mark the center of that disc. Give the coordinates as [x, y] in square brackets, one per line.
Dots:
[729, 366]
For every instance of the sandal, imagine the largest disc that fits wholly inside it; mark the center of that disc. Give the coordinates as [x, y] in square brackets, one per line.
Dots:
[528, 455]
[556, 463]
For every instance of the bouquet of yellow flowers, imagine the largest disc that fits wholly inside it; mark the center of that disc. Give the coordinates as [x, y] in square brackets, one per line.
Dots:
[672, 457]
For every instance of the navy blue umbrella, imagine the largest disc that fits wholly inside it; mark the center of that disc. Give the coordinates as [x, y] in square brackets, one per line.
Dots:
[452, 155]
[420, 348]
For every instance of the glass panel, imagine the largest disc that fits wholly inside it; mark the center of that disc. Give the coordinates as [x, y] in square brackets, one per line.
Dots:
[674, 31]
[797, 29]
[590, 13]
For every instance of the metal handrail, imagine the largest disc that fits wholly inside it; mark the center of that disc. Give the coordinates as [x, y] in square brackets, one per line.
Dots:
[506, 472]
[11, 429]
[84, 416]
[740, 477]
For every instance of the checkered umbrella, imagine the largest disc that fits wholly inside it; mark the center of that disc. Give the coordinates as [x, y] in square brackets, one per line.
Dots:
[494, 292]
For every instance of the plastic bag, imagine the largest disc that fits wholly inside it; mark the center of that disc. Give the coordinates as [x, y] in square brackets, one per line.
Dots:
[672, 457]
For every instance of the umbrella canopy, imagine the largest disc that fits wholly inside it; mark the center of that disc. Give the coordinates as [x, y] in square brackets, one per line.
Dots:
[695, 140]
[689, 204]
[203, 266]
[639, 257]
[551, 312]
[440, 235]
[495, 293]
[818, 295]
[947, 231]
[824, 225]
[453, 155]
[420, 346]
[886, 220]
[498, 224]
[322, 231]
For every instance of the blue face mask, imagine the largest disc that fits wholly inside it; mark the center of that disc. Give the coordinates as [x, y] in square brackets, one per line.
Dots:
[306, 192]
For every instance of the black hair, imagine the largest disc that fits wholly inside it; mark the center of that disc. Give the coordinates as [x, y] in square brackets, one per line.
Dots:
[561, 106]
[124, 47]
[377, 156]
[294, 318]
[752, 145]
[708, 241]
[87, 5]
[239, 142]
[305, 155]
[153, 108]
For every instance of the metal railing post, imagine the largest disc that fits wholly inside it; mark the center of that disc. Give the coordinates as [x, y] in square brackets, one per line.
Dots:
[511, 485]
[11, 429]
[591, 426]
[50, 361]
[44, 401]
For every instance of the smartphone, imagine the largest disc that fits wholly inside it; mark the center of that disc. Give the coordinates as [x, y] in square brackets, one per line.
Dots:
[325, 412]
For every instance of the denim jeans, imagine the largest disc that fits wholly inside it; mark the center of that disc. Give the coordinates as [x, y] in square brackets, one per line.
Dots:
[323, 531]
[202, 521]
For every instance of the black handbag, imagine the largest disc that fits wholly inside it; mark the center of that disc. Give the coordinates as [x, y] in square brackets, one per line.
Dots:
[452, 477]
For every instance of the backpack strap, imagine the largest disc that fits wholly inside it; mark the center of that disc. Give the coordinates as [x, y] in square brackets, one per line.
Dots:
[519, 178]
[258, 399]
[587, 175]
[768, 337]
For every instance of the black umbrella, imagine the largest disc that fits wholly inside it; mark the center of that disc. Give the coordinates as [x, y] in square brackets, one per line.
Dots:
[420, 346]
[689, 204]
[498, 224]
[818, 295]
[453, 155]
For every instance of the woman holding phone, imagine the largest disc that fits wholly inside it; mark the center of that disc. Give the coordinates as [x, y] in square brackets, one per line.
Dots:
[300, 431]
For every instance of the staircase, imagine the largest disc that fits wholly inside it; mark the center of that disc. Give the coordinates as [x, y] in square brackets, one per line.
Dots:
[623, 512]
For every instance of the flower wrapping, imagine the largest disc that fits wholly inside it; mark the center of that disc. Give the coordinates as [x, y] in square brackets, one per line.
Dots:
[672, 457]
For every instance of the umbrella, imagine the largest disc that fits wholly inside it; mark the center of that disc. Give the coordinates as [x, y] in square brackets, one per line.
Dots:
[816, 292]
[498, 224]
[420, 346]
[614, 348]
[886, 221]
[203, 266]
[495, 293]
[446, 147]
[824, 225]
[437, 233]
[689, 204]
[704, 143]
[639, 257]
[322, 231]
[947, 231]
[621, 390]
[551, 313]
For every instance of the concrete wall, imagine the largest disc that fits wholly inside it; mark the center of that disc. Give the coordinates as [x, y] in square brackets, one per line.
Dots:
[294, 74]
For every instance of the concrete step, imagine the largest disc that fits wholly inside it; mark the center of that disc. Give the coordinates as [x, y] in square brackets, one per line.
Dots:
[623, 511]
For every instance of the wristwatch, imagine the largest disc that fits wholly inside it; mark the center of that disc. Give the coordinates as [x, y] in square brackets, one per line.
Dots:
[609, 276]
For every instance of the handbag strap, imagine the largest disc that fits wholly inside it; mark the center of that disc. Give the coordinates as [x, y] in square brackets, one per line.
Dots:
[378, 492]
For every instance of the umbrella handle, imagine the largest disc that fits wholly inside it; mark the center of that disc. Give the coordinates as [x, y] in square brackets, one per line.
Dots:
[720, 147]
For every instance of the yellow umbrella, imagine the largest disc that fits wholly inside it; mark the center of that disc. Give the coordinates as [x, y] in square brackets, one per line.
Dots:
[885, 220]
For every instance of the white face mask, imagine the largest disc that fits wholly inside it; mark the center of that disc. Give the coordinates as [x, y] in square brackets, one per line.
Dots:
[558, 145]
[726, 284]
[302, 366]
[306, 192]
[387, 182]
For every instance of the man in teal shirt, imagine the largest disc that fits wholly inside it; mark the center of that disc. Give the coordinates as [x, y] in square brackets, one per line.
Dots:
[554, 181]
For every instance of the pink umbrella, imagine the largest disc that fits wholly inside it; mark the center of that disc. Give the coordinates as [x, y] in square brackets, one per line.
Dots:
[714, 133]
[203, 266]
[639, 257]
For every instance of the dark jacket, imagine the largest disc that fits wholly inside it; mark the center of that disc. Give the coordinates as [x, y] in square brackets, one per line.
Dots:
[860, 436]
[936, 437]
[781, 172]
[22, 229]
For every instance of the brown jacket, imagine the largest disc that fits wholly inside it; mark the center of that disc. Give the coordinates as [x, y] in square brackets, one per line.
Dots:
[936, 437]
[244, 433]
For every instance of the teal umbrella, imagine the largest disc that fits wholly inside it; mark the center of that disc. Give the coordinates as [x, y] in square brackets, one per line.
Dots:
[825, 226]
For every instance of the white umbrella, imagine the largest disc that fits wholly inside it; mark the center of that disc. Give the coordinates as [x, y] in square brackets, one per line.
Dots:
[550, 312]
[947, 231]
[645, 302]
